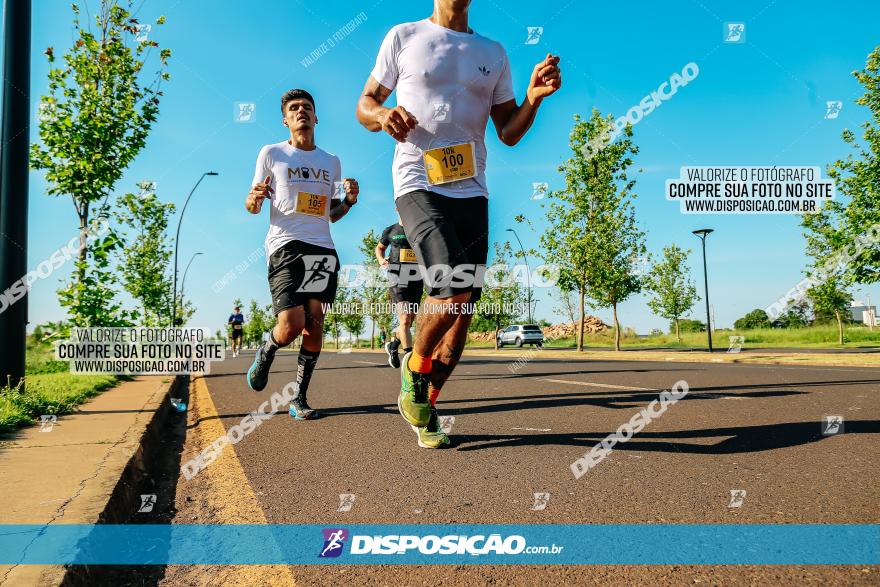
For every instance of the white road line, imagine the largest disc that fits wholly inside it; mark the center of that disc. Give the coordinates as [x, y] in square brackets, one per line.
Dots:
[605, 385]
[367, 363]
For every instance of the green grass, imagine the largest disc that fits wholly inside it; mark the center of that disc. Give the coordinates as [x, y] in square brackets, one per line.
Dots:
[50, 389]
[811, 337]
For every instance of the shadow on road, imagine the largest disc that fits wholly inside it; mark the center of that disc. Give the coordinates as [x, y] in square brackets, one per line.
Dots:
[741, 439]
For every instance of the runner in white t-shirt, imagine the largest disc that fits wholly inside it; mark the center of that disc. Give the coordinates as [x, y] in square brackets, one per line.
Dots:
[300, 180]
[450, 80]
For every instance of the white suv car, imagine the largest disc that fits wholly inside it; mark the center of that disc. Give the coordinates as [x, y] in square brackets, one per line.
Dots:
[520, 334]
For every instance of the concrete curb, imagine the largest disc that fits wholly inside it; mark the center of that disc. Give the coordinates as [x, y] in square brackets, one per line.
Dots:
[125, 496]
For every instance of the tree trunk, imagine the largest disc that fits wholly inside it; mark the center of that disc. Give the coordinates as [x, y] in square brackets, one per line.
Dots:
[839, 327]
[83, 243]
[616, 329]
[580, 333]
[373, 334]
[677, 330]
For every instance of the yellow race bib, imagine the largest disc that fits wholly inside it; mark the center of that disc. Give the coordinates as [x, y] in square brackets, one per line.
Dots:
[452, 163]
[311, 204]
[408, 256]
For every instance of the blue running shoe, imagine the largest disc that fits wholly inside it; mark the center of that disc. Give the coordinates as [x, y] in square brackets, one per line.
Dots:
[258, 374]
[300, 410]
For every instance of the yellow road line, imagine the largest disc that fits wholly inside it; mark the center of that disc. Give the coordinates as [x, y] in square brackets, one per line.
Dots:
[225, 488]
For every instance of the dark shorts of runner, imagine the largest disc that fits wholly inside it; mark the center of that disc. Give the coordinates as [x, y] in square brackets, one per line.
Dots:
[299, 271]
[447, 231]
[237, 333]
[411, 293]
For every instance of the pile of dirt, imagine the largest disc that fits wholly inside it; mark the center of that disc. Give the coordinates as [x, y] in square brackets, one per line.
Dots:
[592, 325]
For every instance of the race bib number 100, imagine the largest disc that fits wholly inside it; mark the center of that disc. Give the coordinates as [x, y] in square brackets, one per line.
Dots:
[452, 163]
[311, 204]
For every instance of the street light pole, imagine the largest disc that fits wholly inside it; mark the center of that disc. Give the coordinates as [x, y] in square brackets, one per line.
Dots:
[703, 233]
[176, 239]
[183, 282]
[528, 269]
[14, 148]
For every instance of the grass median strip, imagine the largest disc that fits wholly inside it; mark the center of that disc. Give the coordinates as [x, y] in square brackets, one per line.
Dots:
[49, 389]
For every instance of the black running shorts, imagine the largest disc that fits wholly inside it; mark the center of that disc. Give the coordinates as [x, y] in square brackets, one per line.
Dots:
[450, 237]
[299, 271]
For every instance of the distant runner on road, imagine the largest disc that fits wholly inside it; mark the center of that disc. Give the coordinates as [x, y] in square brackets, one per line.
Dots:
[236, 323]
[405, 287]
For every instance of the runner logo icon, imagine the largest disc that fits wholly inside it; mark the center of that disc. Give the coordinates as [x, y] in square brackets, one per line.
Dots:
[334, 540]
[319, 268]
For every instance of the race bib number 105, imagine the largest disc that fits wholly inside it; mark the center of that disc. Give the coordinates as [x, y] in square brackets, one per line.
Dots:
[311, 204]
[452, 163]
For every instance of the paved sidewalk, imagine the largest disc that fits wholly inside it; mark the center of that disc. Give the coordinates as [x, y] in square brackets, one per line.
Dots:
[66, 473]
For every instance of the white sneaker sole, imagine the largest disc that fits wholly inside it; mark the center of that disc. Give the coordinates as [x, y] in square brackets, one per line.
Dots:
[422, 444]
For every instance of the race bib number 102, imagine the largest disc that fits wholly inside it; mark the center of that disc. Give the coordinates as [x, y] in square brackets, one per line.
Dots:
[452, 163]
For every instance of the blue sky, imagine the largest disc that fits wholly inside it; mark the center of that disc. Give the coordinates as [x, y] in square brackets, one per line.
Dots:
[761, 102]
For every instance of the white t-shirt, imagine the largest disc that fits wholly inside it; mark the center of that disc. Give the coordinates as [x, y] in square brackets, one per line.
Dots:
[449, 81]
[293, 171]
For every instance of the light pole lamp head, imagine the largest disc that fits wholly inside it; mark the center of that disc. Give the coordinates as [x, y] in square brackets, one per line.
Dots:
[212, 173]
[703, 232]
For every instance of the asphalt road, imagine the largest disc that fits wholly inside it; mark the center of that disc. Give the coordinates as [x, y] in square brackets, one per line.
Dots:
[742, 427]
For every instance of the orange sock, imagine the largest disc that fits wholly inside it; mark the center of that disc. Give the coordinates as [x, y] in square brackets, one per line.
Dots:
[419, 364]
[433, 394]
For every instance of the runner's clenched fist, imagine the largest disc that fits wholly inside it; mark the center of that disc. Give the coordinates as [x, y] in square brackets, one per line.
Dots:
[398, 122]
[352, 190]
[546, 78]
[258, 193]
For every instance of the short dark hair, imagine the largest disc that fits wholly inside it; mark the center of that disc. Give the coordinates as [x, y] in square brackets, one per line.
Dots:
[296, 94]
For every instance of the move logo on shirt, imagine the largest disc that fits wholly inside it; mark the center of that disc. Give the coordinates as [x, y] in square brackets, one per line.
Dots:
[308, 173]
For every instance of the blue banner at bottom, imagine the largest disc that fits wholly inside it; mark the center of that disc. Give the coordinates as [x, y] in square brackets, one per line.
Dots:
[758, 544]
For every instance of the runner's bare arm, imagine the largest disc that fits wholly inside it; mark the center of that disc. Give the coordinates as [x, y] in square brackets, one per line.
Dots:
[380, 255]
[341, 207]
[375, 117]
[512, 122]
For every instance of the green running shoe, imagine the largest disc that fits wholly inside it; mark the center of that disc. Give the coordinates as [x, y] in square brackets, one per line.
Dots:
[413, 399]
[431, 436]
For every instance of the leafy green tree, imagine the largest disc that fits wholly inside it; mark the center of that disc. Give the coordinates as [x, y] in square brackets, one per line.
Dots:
[842, 224]
[500, 298]
[674, 293]
[689, 325]
[258, 322]
[374, 291]
[757, 318]
[94, 121]
[795, 315]
[90, 295]
[146, 255]
[353, 321]
[566, 304]
[831, 297]
[591, 231]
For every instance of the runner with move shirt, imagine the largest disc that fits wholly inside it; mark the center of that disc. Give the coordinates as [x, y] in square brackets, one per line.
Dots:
[450, 80]
[299, 179]
[405, 286]
[236, 322]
